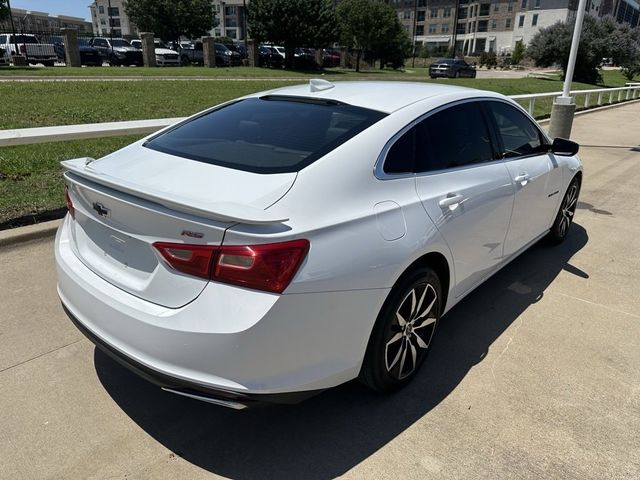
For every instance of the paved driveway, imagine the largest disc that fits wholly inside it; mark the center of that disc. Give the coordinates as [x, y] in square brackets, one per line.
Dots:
[536, 374]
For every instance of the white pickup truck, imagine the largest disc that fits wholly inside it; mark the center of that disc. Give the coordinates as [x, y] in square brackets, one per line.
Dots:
[29, 46]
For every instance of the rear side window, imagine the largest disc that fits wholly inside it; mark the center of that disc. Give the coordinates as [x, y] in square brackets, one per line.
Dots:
[401, 155]
[454, 137]
[519, 135]
[266, 135]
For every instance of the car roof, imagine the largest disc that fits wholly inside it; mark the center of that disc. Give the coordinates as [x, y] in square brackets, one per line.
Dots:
[382, 96]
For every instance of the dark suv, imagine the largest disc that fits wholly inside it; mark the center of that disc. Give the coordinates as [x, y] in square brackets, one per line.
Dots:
[451, 68]
[117, 51]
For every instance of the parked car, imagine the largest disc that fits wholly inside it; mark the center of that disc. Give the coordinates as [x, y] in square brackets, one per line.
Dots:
[4, 56]
[267, 57]
[231, 276]
[29, 46]
[451, 68]
[226, 57]
[117, 51]
[238, 48]
[191, 53]
[330, 58]
[165, 56]
[88, 55]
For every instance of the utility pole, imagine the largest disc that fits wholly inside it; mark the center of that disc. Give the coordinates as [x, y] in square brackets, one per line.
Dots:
[415, 21]
[455, 29]
[564, 106]
[110, 27]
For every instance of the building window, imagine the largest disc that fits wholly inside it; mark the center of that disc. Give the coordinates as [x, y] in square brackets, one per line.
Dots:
[100, 9]
[510, 6]
[421, 15]
[422, 3]
[407, 14]
[537, 4]
[534, 20]
[434, 13]
[524, 4]
[432, 28]
[462, 14]
[521, 21]
[114, 12]
[461, 28]
[494, 24]
[507, 23]
[229, 10]
[217, 32]
[115, 22]
[447, 12]
[445, 28]
[483, 25]
[496, 6]
[103, 21]
[419, 30]
[485, 9]
[231, 32]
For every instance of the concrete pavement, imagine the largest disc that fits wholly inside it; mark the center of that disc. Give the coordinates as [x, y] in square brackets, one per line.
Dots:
[536, 374]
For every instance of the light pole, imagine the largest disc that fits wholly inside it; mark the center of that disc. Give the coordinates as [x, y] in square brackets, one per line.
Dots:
[415, 22]
[564, 106]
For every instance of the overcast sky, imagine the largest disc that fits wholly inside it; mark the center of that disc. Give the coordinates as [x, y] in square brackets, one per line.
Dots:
[75, 8]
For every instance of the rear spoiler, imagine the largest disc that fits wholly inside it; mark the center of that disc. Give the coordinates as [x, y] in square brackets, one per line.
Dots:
[220, 211]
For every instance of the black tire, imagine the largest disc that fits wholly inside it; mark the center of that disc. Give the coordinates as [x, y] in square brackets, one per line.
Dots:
[457, 75]
[184, 61]
[48, 63]
[396, 350]
[566, 212]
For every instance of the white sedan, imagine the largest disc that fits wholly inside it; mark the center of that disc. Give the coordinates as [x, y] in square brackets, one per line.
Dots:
[292, 240]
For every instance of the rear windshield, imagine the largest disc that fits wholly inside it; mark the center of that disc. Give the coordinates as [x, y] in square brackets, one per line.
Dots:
[22, 39]
[266, 135]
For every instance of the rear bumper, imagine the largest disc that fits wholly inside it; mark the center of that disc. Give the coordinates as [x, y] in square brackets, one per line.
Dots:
[229, 343]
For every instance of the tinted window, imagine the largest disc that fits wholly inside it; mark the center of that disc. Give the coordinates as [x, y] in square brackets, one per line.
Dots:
[99, 42]
[118, 42]
[400, 156]
[519, 135]
[266, 135]
[454, 137]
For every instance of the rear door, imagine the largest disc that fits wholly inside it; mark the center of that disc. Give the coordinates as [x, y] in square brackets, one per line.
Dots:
[535, 174]
[464, 189]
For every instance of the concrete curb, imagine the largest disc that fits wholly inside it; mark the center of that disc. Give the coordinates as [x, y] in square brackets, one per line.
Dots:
[18, 235]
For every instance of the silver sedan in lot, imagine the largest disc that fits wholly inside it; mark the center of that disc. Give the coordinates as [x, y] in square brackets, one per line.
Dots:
[289, 241]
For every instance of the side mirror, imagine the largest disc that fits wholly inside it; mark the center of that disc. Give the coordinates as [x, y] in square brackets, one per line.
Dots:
[564, 147]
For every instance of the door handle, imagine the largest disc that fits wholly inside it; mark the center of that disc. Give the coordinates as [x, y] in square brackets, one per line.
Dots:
[522, 179]
[451, 201]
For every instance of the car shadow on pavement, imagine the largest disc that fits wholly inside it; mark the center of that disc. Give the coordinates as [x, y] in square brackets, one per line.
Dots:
[332, 432]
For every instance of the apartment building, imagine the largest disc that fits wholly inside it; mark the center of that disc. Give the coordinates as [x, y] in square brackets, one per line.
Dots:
[231, 19]
[495, 25]
[31, 21]
[110, 18]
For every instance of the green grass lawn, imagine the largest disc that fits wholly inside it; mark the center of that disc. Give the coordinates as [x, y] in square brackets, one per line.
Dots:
[30, 176]
[30, 181]
[33, 104]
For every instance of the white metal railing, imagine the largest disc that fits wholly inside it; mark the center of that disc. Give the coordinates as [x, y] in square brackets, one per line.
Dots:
[27, 136]
[603, 96]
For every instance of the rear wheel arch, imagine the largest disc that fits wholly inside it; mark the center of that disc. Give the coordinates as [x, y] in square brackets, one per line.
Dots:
[439, 264]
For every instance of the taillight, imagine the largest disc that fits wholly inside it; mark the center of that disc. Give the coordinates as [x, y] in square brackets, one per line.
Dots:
[269, 267]
[189, 259]
[70, 207]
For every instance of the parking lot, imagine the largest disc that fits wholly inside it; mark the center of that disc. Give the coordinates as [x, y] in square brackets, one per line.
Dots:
[536, 374]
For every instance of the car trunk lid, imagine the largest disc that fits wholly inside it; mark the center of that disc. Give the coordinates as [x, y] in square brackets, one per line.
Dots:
[125, 203]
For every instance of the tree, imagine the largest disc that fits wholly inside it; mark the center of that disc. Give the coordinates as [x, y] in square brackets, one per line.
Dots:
[4, 10]
[293, 23]
[170, 19]
[600, 38]
[518, 53]
[372, 27]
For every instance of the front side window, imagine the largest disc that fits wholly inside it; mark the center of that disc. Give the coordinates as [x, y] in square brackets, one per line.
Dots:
[454, 137]
[272, 134]
[518, 134]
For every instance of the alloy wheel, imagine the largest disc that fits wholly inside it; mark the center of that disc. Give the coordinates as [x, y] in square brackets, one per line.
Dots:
[411, 331]
[568, 208]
